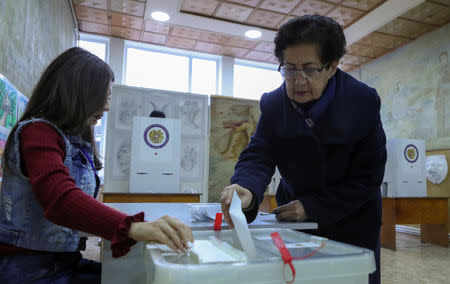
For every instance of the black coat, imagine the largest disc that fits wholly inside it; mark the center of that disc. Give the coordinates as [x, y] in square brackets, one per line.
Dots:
[335, 168]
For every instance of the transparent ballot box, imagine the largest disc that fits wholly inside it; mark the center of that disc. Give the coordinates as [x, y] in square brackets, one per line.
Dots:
[217, 257]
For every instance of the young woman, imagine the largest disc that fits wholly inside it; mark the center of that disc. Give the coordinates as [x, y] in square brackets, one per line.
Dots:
[50, 182]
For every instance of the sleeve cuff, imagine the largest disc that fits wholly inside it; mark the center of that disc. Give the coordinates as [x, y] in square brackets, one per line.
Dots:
[311, 206]
[252, 204]
[252, 211]
[120, 242]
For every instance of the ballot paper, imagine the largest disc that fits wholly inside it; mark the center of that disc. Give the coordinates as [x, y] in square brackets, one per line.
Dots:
[215, 251]
[241, 227]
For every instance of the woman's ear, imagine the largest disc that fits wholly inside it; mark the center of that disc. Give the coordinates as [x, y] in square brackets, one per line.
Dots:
[333, 67]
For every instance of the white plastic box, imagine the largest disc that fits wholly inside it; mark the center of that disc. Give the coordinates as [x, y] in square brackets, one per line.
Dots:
[335, 262]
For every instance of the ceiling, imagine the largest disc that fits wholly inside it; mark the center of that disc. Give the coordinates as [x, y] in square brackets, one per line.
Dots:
[372, 27]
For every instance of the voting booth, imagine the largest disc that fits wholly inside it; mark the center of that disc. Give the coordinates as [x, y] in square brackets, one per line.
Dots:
[405, 173]
[155, 155]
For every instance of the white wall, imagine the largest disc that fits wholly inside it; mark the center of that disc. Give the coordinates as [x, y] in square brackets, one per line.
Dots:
[32, 33]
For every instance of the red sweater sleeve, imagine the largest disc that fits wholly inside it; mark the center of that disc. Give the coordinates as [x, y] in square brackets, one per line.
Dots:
[43, 153]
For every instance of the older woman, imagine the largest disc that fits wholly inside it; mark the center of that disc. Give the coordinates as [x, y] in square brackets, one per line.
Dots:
[322, 129]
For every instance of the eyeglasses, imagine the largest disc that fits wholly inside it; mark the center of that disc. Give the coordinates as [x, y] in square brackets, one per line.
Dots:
[308, 73]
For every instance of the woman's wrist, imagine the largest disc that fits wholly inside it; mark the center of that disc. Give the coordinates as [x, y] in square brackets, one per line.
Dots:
[251, 205]
[134, 231]
[131, 230]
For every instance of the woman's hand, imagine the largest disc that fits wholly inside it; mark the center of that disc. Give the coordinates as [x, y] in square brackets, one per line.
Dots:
[165, 230]
[244, 194]
[293, 212]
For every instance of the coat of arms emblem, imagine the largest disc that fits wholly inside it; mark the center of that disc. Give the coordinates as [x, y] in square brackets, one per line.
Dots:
[156, 136]
[411, 153]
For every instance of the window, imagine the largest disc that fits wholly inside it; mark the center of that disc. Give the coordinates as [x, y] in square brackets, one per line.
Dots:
[170, 69]
[96, 45]
[252, 79]
[157, 70]
[204, 76]
[100, 47]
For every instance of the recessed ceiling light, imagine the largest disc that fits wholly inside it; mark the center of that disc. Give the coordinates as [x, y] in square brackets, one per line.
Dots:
[253, 34]
[160, 16]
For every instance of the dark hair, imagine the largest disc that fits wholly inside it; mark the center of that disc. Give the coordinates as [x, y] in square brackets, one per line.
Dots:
[72, 88]
[158, 113]
[323, 31]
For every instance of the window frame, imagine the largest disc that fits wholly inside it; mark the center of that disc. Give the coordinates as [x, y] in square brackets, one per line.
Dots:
[99, 131]
[97, 39]
[256, 64]
[177, 52]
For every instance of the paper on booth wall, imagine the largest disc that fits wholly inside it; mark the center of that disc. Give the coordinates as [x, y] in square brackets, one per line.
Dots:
[437, 168]
[241, 226]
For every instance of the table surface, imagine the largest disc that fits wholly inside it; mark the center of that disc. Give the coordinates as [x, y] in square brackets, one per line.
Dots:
[418, 197]
[430, 212]
[130, 268]
[182, 211]
[149, 193]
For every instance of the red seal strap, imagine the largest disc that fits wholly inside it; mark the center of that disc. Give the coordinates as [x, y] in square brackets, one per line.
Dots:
[285, 254]
[218, 222]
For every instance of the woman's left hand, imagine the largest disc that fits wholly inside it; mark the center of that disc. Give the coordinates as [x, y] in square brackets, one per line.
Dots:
[293, 212]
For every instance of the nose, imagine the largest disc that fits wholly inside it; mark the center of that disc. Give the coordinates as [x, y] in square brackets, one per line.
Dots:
[300, 79]
[107, 106]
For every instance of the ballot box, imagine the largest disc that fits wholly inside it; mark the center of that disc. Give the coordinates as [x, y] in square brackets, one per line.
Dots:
[216, 257]
[131, 268]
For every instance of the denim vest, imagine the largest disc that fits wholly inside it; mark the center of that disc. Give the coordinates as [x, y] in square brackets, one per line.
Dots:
[22, 221]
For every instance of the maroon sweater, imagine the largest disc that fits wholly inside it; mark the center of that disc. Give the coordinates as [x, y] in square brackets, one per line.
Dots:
[43, 153]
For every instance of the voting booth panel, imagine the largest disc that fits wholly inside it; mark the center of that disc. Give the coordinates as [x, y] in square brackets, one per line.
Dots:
[405, 173]
[191, 110]
[155, 155]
